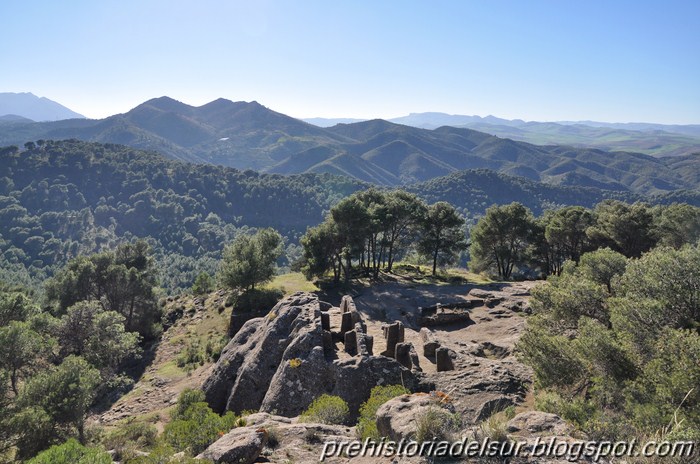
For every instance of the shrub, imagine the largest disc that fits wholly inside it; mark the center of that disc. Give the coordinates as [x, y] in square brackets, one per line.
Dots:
[214, 347]
[576, 410]
[193, 355]
[326, 409]
[256, 300]
[199, 428]
[139, 434]
[195, 426]
[71, 452]
[367, 424]
[494, 428]
[187, 398]
[436, 424]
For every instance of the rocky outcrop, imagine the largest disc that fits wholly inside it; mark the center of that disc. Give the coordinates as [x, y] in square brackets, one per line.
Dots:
[281, 362]
[288, 439]
[240, 446]
[481, 387]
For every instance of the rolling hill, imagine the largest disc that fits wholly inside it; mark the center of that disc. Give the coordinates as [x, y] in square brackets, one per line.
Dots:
[651, 139]
[247, 135]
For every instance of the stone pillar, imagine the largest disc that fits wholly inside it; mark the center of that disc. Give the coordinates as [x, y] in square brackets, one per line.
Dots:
[347, 304]
[443, 359]
[407, 356]
[351, 342]
[349, 320]
[328, 345]
[346, 322]
[430, 344]
[325, 321]
[393, 333]
[402, 354]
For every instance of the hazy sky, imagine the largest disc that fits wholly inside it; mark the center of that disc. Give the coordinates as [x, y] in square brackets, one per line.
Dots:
[605, 60]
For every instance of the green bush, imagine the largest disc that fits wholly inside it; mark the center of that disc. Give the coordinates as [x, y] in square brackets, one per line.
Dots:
[71, 452]
[326, 409]
[140, 435]
[187, 398]
[195, 426]
[193, 355]
[256, 300]
[214, 347]
[576, 410]
[367, 424]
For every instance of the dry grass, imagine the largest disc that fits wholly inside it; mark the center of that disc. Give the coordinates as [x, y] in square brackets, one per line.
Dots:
[291, 283]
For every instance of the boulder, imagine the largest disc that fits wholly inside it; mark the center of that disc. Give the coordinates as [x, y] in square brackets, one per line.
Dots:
[240, 446]
[402, 354]
[290, 331]
[217, 388]
[479, 387]
[325, 321]
[365, 343]
[348, 321]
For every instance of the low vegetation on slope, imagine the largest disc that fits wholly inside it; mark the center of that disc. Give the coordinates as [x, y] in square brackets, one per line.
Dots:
[622, 359]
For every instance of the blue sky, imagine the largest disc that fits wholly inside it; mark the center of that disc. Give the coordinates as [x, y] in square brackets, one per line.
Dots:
[536, 60]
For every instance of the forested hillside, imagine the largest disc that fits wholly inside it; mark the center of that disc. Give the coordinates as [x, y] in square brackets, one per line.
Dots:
[62, 199]
[475, 190]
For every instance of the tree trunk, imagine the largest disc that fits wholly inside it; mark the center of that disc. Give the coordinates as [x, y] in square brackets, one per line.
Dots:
[13, 381]
[435, 257]
[131, 314]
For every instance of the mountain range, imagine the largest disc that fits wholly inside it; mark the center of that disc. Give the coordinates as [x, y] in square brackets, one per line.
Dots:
[651, 139]
[20, 107]
[247, 135]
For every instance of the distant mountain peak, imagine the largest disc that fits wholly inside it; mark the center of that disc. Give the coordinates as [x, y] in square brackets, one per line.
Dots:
[28, 105]
[166, 103]
[219, 101]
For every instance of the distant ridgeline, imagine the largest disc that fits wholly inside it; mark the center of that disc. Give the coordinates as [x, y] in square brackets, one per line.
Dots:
[247, 135]
[61, 199]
